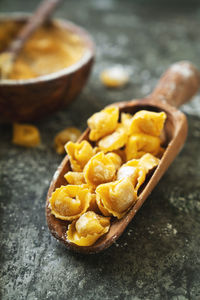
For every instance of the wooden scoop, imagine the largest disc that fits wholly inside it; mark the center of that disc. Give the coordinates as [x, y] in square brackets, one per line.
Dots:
[42, 13]
[178, 84]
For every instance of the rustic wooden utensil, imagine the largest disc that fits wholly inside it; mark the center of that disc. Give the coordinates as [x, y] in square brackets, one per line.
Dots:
[42, 13]
[178, 84]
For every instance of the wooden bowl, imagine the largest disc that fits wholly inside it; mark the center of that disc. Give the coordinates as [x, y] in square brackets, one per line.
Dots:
[30, 99]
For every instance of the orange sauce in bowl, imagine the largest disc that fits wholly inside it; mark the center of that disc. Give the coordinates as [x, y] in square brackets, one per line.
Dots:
[50, 49]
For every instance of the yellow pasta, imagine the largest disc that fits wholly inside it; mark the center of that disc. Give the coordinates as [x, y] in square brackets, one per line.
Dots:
[25, 135]
[64, 136]
[79, 154]
[115, 158]
[70, 201]
[129, 170]
[148, 122]
[106, 179]
[75, 178]
[93, 203]
[116, 197]
[126, 121]
[103, 123]
[137, 169]
[115, 140]
[139, 144]
[100, 169]
[114, 77]
[87, 229]
[148, 161]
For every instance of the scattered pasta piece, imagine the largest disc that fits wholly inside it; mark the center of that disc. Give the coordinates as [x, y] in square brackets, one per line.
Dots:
[114, 77]
[70, 201]
[139, 144]
[25, 135]
[148, 122]
[87, 229]
[116, 197]
[79, 154]
[75, 178]
[103, 122]
[64, 136]
[100, 169]
[115, 140]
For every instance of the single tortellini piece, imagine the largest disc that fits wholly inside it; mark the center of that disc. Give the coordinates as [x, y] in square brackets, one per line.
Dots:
[79, 154]
[114, 77]
[101, 168]
[115, 140]
[87, 229]
[64, 136]
[129, 170]
[139, 144]
[75, 178]
[137, 169]
[25, 135]
[70, 201]
[148, 161]
[116, 197]
[148, 122]
[103, 122]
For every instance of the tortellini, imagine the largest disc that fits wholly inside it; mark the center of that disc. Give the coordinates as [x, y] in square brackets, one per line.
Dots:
[114, 141]
[148, 161]
[106, 176]
[103, 123]
[114, 77]
[64, 136]
[116, 197]
[25, 135]
[140, 143]
[148, 122]
[101, 168]
[79, 154]
[87, 229]
[137, 169]
[75, 178]
[70, 201]
[129, 170]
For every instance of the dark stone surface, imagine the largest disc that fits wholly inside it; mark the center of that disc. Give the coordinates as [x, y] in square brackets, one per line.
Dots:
[158, 256]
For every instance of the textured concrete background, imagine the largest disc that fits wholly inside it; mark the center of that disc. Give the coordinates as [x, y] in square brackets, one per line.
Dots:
[158, 256]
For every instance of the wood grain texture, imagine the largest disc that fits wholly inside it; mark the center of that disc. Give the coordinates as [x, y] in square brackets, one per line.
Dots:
[175, 132]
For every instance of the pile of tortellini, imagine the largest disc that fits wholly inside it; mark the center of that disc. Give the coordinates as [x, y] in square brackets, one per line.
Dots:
[105, 178]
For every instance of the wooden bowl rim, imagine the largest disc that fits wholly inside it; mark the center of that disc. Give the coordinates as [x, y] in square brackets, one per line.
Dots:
[87, 56]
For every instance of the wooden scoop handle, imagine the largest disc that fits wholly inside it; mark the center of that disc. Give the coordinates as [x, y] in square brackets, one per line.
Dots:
[178, 84]
[44, 10]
